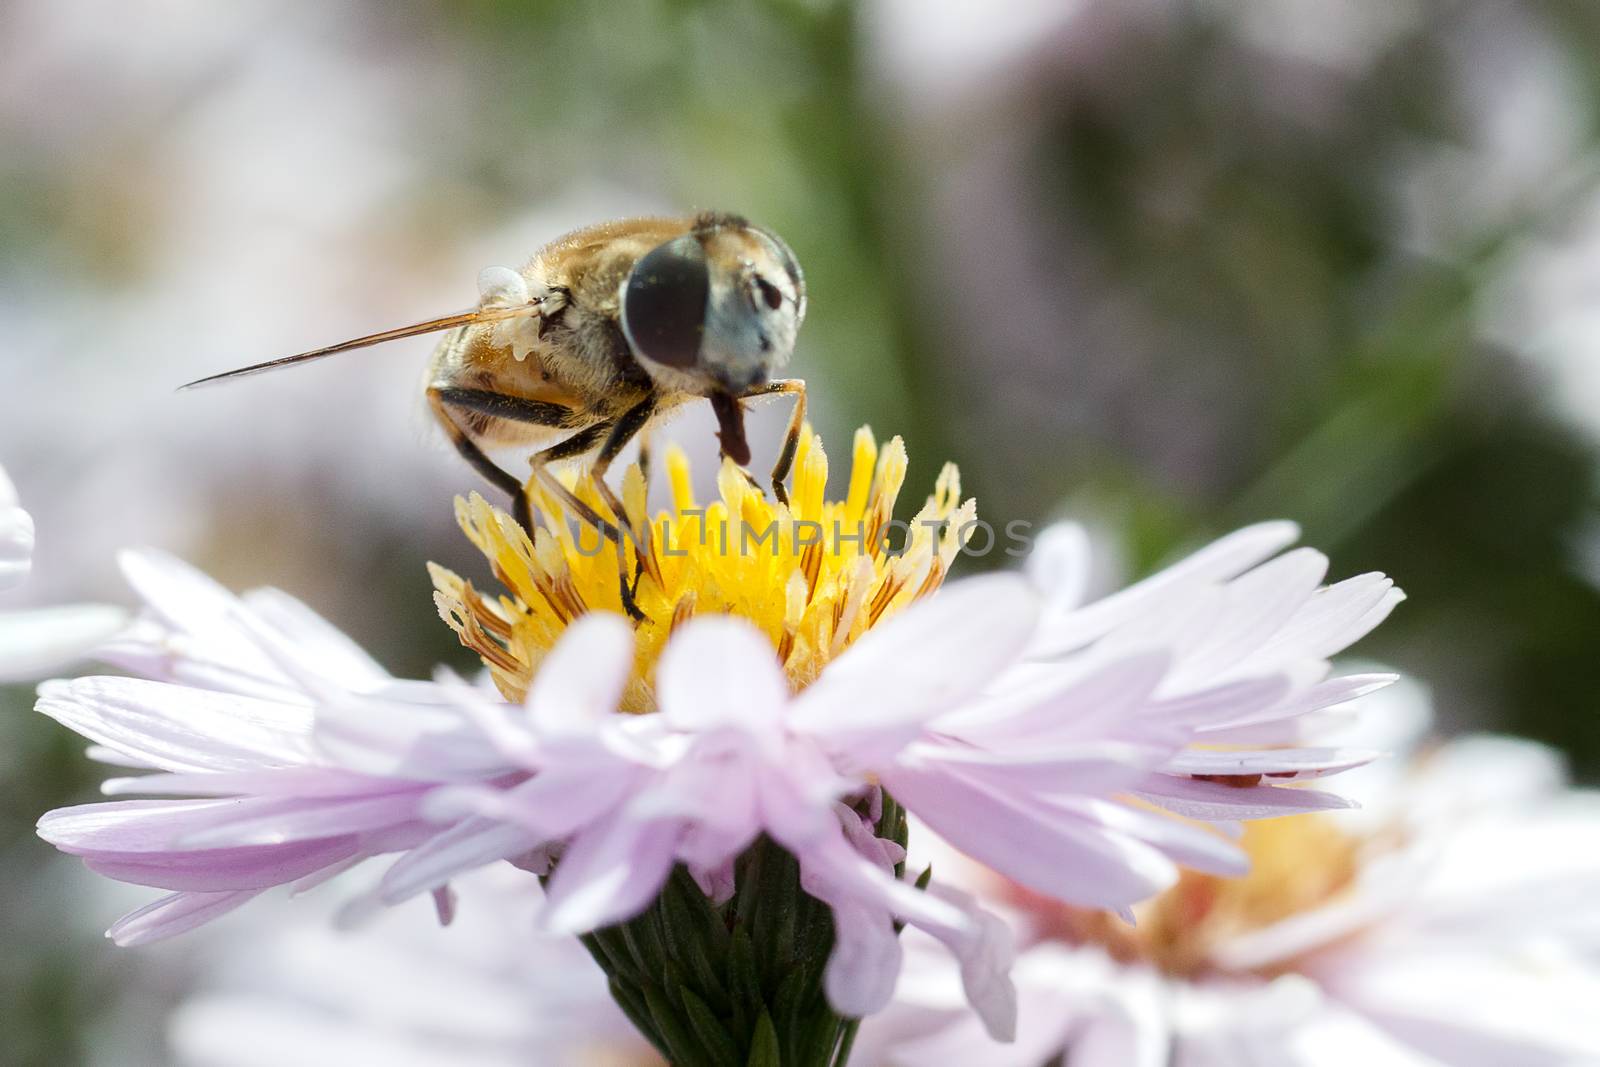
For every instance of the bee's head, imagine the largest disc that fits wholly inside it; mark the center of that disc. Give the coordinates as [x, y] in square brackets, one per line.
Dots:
[715, 311]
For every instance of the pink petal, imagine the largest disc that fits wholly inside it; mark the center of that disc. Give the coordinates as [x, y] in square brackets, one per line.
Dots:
[1216, 800]
[607, 875]
[720, 672]
[865, 961]
[1234, 701]
[923, 661]
[470, 844]
[126, 826]
[1031, 843]
[215, 870]
[286, 820]
[582, 678]
[1200, 846]
[173, 915]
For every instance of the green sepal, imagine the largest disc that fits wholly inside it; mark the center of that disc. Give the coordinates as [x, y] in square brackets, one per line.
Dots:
[764, 1045]
[720, 985]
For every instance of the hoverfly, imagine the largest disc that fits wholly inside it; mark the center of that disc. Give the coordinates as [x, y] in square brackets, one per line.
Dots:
[605, 330]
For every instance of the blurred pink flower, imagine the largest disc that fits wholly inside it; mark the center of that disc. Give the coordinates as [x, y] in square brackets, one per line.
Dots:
[1452, 923]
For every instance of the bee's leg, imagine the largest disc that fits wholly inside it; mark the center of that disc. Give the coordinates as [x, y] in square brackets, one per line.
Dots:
[624, 430]
[645, 451]
[791, 438]
[580, 443]
[446, 399]
[506, 482]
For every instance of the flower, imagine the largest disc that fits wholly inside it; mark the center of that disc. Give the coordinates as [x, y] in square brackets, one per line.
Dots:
[1036, 741]
[791, 691]
[283, 754]
[293, 987]
[1452, 922]
[36, 642]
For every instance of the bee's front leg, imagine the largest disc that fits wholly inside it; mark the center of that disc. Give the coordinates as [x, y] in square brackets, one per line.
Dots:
[791, 438]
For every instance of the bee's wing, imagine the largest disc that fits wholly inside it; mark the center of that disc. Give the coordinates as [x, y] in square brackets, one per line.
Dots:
[446, 322]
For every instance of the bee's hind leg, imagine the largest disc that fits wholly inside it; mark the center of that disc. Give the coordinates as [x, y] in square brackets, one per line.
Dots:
[446, 401]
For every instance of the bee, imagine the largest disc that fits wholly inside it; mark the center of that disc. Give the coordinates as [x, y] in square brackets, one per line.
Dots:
[606, 330]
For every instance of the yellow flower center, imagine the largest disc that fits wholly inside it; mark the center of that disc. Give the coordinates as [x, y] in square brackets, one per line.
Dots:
[1297, 863]
[813, 575]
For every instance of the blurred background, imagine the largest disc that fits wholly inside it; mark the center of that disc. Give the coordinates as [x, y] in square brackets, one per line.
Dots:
[1166, 266]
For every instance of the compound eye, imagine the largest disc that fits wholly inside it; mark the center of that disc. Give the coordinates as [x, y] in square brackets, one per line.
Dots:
[664, 303]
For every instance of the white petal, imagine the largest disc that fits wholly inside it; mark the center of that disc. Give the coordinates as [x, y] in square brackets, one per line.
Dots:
[720, 672]
[1324, 694]
[1059, 565]
[44, 640]
[1058, 706]
[1219, 561]
[176, 728]
[16, 544]
[923, 661]
[1257, 605]
[582, 678]
[986, 950]
[1086, 767]
[1191, 844]
[320, 643]
[182, 596]
[1334, 619]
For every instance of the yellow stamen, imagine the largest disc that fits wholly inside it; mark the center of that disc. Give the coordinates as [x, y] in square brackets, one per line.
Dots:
[813, 576]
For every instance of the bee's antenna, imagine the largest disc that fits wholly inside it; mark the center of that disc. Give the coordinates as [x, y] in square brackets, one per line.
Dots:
[447, 322]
